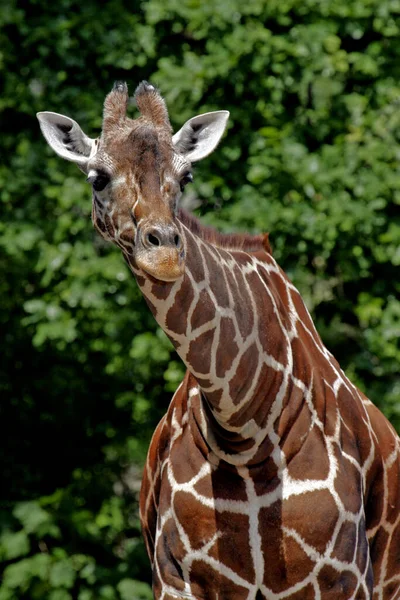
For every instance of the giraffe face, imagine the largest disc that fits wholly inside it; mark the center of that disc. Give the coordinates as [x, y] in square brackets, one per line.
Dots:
[134, 201]
[137, 179]
[138, 171]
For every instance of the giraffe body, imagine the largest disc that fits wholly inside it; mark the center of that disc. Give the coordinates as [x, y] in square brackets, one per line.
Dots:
[285, 512]
[271, 475]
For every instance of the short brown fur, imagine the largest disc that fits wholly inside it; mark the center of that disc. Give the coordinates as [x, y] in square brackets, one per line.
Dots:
[229, 241]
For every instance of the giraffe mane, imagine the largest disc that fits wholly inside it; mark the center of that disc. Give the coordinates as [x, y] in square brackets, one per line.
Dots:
[229, 241]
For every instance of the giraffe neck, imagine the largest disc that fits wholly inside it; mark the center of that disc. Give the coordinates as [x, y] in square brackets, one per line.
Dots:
[233, 319]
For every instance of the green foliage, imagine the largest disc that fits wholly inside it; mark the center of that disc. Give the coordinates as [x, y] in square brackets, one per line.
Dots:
[312, 155]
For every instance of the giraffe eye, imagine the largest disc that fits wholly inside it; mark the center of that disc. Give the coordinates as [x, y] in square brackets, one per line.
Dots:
[99, 181]
[185, 179]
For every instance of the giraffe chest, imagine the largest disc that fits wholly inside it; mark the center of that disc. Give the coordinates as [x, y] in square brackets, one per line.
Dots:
[226, 534]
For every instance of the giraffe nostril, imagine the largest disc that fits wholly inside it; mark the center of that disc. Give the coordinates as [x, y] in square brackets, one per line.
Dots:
[158, 237]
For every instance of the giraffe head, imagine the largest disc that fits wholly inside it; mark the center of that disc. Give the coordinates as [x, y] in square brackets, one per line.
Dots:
[138, 170]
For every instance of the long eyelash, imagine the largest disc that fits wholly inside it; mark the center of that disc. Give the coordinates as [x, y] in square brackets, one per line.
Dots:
[98, 179]
[185, 179]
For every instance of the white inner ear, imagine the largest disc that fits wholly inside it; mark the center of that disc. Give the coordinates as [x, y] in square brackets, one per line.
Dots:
[66, 138]
[200, 135]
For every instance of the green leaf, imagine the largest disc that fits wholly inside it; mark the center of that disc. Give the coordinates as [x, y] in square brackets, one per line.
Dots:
[130, 589]
[18, 575]
[34, 519]
[14, 545]
[62, 574]
[60, 595]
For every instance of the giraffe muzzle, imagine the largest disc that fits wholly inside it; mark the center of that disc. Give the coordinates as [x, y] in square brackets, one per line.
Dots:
[160, 252]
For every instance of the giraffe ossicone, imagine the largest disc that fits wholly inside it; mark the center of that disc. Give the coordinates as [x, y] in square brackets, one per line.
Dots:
[271, 475]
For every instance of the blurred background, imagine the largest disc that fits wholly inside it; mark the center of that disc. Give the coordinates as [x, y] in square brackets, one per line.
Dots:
[311, 154]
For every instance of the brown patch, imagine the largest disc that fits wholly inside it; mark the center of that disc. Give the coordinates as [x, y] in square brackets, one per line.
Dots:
[223, 486]
[228, 485]
[242, 381]
[199, 529]
[207, 583]
[336, 585]
[243, 259]
[227, 347]
[377, 549]
[348, 484]
[170, 554]
[305, 321]
[271, 331]
[232, 285]
[311, 461]
[316, 355]
[387, 436]
[265, 391]
[362, 547]
[217, 281]
[326, 405]
[268, 386]
[268, 470]
[353, 415]
[374, 502]
[346, 541]
[307, 593]
[393, 501]
[204, 310]
[199, 354]
[392, 590]
[264, 474]
[243, 305]
[303, 361]
[215, 398]
[202, 529]
[393, 563]
[196, 258]
[299, 565]
[161, 290]
[277, 283]
[294, 422]
[270, 529]
[185, 464]
[176, 318]
[229, 441]
[157, 587]
[235, 536]
[348, 443]
[164, 498]
[141, 280]
[204, 382]
[313, 515]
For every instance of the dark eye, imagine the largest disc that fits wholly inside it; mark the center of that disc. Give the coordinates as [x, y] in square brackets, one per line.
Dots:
[99, 181]
[185, 179]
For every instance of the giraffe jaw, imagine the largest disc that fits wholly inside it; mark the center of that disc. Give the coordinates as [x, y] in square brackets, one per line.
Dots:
[164, 264]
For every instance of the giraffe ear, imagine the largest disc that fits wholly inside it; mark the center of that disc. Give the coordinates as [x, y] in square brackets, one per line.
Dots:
[200, 135]
[66, 138]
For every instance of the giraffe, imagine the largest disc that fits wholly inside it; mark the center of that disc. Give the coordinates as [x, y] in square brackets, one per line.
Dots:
[271, 476]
